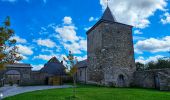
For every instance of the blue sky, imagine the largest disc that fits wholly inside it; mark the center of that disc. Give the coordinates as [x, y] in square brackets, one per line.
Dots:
[47, 28]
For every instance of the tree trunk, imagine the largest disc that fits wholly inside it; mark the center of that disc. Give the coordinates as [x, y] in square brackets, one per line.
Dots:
[74, 85]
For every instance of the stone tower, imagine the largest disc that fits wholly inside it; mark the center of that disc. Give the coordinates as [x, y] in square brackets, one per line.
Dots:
[110, 52]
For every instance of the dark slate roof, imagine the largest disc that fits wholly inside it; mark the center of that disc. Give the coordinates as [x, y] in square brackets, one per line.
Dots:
[19, 65]
[54, 67]
[82, 64]
[108, 15]
[54, 59]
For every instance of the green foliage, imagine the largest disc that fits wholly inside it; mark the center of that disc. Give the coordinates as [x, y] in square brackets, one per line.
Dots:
[140, 66]
[161, 63]
[8, 51]
[71, 63]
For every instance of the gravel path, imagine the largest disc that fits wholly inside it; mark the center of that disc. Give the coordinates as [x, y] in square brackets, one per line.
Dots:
[14, 90]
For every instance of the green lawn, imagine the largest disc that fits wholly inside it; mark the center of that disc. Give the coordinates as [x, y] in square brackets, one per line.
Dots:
[94, 93]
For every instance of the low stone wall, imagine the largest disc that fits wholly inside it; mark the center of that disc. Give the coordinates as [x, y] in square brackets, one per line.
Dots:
[36, 78]
[164, 79]
[158, 78]
[144, 79]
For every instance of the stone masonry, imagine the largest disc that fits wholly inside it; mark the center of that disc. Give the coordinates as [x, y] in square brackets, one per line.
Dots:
[110, 52]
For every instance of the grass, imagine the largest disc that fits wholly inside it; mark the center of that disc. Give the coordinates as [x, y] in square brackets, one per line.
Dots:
[89, 92]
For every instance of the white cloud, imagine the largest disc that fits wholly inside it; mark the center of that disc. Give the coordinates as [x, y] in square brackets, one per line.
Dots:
[76, 47]
[25, 50]
[69, 39]
[137, 32]
[134, 12]
[92, 19]
[80, 58]
[145, 61]
[46, 42]
[37, 67]
[43, 28]
[87, 28]
[23, 57]
[67, 33]
[46, 50]
[19, 39]
[166, 18]
[153, 45]
[43, 57]
[83, 45]
[67, 20]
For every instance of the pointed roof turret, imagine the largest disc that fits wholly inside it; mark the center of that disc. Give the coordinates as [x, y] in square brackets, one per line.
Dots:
[108, 15]
[54, 60]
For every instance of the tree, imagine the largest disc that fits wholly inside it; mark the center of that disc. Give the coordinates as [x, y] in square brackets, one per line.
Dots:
[160, 64]
[72, 68]
[139, 66]
[8, 51]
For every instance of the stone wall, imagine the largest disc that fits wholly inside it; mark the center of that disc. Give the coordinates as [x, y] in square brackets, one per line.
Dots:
[144, 79]
[82, 75]
[25, 74]
[110, 53]
[38, 78]
[164, 79]
[158, 78]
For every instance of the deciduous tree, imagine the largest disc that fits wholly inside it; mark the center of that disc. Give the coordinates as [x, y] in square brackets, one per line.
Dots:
[72, 68]
[8, 50]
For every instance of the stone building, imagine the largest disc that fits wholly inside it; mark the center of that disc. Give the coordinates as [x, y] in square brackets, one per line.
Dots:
[55, 72]
[110, 52]
[111, 61]
[16, 74]
[82, 71]
[22, 74]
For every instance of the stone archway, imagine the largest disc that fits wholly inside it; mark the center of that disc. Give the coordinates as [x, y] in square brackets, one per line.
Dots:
[121, 80]
[12, 77]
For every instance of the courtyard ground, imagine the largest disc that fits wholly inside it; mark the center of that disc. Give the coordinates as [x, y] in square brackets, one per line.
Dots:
[94, 93]
[14, 90]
